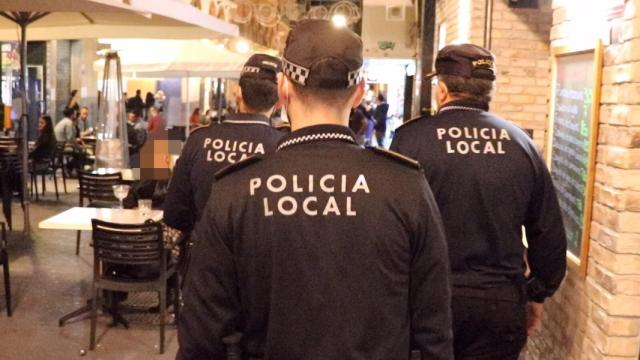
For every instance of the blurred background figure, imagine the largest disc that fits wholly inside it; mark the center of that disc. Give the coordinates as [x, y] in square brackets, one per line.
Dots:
[135, 103]
[380, 116]
[358, 124]
[194, 120]
[73, 100]
[46, 142]
[156, 122]
[160, 98]
[149, 101]
[85, 125]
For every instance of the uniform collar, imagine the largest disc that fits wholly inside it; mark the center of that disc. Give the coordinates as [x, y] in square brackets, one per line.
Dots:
[246, 118]
[465, 105]
[314, 133]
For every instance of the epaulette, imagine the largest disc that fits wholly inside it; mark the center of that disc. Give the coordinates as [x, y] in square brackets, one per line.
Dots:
[191, 131]
[397, 157]
[237, 166]
[410, 121]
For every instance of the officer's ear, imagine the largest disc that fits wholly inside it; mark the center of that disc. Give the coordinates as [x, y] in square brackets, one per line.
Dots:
[359, 94]
[283, 88]
[442, 92]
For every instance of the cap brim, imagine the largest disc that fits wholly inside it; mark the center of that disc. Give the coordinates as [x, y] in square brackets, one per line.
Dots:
[430, 75]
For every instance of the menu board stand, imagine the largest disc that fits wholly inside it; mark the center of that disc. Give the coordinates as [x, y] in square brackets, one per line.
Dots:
[572, 141]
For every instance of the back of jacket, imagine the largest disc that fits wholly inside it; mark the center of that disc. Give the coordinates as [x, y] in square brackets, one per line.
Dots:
[489, 180]
[209, 149]
[320, 251]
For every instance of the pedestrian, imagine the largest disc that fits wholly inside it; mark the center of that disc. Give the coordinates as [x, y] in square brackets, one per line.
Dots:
[135, 103]
[149, 101]
[380, 116]
[489, 181]
[72, 103]
[211, 148]
[322, 250]
[195, 119]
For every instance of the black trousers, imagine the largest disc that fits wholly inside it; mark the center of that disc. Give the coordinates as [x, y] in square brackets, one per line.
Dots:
[487, 327]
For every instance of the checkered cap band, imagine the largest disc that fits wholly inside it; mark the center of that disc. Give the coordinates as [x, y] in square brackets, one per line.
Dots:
[354, 77]
[295, 72]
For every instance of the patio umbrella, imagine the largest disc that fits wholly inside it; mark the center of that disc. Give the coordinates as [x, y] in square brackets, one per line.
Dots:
[74, 19]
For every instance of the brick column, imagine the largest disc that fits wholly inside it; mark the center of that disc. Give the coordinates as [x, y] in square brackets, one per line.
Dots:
[598, 317]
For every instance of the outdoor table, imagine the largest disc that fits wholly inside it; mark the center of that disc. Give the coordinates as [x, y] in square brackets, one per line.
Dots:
[128, 175]
[79, 218]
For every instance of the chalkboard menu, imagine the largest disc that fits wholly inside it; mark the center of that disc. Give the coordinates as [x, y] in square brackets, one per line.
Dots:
[573, 138]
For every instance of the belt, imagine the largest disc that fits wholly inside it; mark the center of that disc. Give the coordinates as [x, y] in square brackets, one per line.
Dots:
[513, 293]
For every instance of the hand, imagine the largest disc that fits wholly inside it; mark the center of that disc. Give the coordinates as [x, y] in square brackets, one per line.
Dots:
[534, 320]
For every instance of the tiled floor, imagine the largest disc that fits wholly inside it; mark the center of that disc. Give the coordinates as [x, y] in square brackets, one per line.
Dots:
[49, 280]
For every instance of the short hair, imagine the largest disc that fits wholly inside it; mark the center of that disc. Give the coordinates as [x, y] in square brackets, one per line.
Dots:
[84, 107]
[68, 112]
[468, 88]
[259, 94]
[322, 96]
[381, 98]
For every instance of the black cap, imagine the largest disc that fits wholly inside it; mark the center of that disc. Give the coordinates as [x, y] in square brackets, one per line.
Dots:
[466, 60]
[261, 66]
[320, 55]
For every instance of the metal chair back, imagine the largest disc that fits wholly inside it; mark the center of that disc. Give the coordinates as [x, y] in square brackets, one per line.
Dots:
[126, 244]
[98, 187]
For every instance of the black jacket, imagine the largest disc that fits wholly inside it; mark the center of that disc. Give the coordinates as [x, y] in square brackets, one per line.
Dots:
[323, 250]
[489, 180]
[209, 149]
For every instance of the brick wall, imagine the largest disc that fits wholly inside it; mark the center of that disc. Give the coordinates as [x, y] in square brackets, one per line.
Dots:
[598, 317]
[520, 41]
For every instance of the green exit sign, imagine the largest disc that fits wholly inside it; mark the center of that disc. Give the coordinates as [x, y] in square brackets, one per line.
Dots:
[386, 45]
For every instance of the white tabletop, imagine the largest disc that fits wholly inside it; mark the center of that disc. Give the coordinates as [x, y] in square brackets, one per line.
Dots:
[127, 174]
[79, 218]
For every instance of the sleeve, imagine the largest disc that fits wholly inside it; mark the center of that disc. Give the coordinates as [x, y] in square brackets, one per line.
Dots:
[181, 214]
[211, 302]
[430, 292]
[547, 252]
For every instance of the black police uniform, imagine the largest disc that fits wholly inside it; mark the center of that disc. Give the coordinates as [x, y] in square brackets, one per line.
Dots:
[489, 180]
[209, 149]
[322, 250]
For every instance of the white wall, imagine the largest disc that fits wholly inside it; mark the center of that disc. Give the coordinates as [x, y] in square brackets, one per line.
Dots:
[376, 28]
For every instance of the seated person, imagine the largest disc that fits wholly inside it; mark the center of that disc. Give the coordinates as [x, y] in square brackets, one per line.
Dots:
[46, 142]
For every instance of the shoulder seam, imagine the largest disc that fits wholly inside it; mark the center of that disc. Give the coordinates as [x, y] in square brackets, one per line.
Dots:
[237, 166]
[392, 155]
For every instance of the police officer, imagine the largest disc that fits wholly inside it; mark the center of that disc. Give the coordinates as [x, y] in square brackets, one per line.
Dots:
[211, 148]
[488, 180]
[322, 250]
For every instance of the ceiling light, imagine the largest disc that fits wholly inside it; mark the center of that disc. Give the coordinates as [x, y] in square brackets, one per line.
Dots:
[339, 20]
[242, 46]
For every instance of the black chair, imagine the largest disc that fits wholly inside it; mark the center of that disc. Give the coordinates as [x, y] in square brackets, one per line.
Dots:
[10, 180]
[132, 246]
[97, 189]
[4, 260]
[43, 167]
[59, 163]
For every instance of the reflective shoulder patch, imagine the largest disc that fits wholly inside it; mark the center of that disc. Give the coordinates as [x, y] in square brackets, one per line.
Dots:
[237, 166]
[397, 157]
[409, 122]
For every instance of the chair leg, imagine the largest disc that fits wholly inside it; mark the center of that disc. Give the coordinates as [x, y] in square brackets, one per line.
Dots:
[55, 185]
[35, 185]
[176, 296]
[94, 315]
[163, 311]
[7, 283]
[44, 187]
[78, 233]
[64, 181]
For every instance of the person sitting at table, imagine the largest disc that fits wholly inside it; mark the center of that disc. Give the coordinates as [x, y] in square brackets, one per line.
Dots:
[46, 142]
[84, 123]
[67, 132]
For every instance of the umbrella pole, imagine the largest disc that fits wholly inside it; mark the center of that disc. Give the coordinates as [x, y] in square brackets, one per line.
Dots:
[24, 120]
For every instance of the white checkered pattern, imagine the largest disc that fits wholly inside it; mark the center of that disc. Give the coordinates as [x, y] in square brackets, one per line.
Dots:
[315, 137]
[295, 72]
[354, 77]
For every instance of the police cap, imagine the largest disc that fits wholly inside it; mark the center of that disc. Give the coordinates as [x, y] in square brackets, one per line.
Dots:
[318, 54]
[261, 66]
[465, 60]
